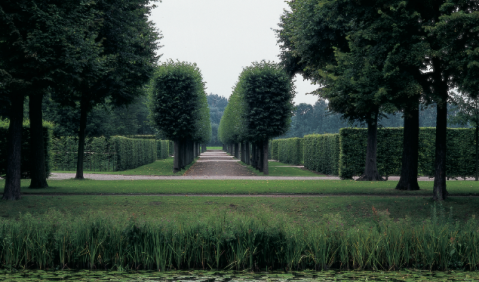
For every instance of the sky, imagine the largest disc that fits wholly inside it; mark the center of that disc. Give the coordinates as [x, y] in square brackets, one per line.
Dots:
[222, 37]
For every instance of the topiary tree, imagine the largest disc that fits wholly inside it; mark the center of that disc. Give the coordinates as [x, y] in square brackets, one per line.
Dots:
[259, 109]
[179, 109]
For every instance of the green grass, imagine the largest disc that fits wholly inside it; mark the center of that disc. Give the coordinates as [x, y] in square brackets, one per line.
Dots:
[353, 210]
[243, 187]
[214, 148]
[160, 167]
[282, 169]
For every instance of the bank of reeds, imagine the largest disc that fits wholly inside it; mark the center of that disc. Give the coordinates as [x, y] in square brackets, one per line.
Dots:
[230, 241]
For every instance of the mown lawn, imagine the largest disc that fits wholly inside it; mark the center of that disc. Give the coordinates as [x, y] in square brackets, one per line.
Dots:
[353, 210]
[214, 148]
[160, 167]
[282, 169]
[243, 187]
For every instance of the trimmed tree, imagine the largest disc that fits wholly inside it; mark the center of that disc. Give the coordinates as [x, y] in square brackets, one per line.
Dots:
[179, 108]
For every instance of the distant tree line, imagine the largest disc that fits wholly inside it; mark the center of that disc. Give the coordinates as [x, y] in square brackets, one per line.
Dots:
[217, 105]
[309, 119]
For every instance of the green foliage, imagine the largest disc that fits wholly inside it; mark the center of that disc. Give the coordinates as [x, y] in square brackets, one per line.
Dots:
[103, 154]
[288, 151]
[260, 106]
[25, 161]
[321, 153]
[460, 152]
[238, 242]
[178, 102]
[162, 149]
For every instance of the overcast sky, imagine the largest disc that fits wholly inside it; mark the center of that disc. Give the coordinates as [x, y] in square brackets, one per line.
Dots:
[222, 37]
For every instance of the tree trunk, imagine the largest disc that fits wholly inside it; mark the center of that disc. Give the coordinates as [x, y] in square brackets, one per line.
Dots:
[81, 138]
[176, 160]
[439, 190]
[247, 153]
[259, 154]
[371, 169]
[14, 149]
[37, 149]
[410, 155]
[265, 157]
[477, 151]
[237, 150]
[253, 154]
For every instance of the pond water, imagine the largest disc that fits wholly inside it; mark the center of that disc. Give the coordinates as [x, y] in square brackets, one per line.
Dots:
[231, 276]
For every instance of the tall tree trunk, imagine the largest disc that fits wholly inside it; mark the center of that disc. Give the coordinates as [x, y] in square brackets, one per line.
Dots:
[81, 137]
[440, 88]
[260, 154]
[439, 190]
[477, 151]
[253, 155]
[410, 155]
[247, 154]
[176, 160]
[37, 149]
[265, 157]
[237, 150]
[14, 147]
[371, 168]
[183, 154]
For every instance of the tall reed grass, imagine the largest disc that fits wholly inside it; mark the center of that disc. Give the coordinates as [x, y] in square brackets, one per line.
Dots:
[226, 240]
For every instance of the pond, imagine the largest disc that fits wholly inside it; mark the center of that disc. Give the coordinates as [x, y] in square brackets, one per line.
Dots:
[231, 276]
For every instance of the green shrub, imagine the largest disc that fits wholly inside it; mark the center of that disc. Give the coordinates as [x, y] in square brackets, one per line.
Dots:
[25, 161]
[162, 149]
[102, 154]
[290, 151]
[460, 151]
[321, 153]
[132, 153]
[231, 241]
[274, 149]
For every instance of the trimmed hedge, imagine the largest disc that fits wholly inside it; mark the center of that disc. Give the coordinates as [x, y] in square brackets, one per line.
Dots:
[460, 151]
[102, 154]
[162, 149]
[289, 150]
[321, 153]
[25, 163]
[343, 154]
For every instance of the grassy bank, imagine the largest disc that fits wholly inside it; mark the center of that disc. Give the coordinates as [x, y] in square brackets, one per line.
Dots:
[342, 187]
[160, 167]
[353, 210]
[282, 169]
[230, 240]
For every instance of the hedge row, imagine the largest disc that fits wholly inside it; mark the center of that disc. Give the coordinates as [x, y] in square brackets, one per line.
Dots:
[460, 151]
[288, 151]
[25, 163]
[163, 149]
[102, 154]
[344, 154]
[321, 153]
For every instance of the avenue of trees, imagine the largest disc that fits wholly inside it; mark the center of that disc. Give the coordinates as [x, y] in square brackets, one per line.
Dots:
[375, 57]
[81, 53]
[179, 108]
[217, 105]
[259, 109]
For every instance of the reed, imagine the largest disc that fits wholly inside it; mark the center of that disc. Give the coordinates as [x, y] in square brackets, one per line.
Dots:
[226, 240]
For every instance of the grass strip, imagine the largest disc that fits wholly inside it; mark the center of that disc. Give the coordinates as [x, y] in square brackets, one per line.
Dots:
[340, 187]
[353, 210]
[282, 169]
[158, 168]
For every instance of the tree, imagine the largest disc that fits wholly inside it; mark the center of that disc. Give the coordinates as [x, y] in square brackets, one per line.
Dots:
[179, 108]
[40, 43]
[468, 114]
[129, 42]
[259, 109]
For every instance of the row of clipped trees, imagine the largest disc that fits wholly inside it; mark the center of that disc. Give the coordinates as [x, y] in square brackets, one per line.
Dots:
[259, 109]
[179, 108]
